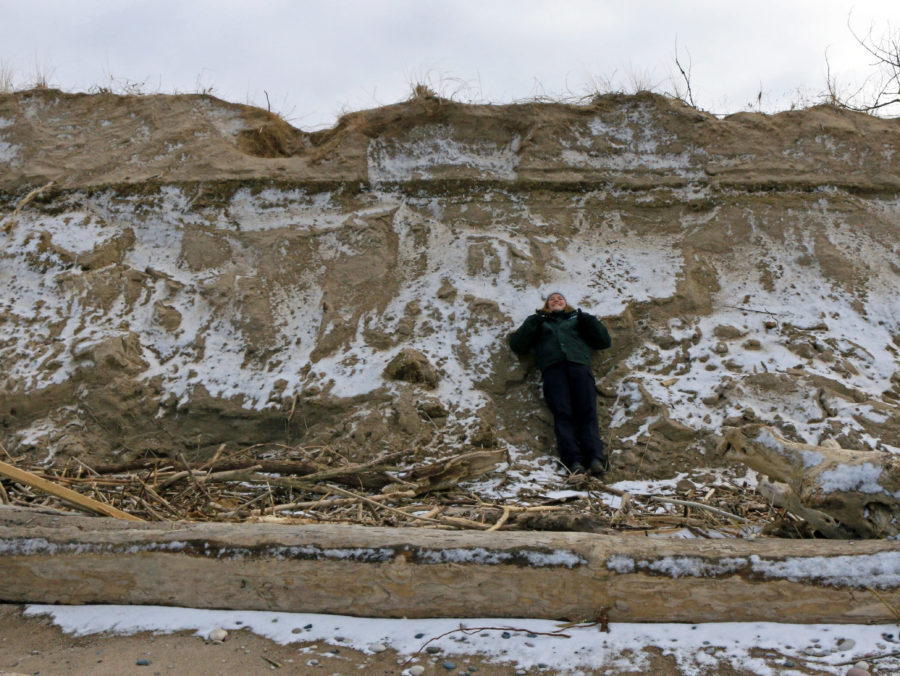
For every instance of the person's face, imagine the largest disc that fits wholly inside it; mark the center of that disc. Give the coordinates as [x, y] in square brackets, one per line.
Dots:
[556, 302]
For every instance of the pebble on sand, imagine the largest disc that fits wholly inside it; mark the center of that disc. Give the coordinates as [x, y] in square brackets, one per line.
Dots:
[217, 635]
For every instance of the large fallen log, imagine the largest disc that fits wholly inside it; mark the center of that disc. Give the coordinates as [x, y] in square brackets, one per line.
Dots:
[841, 493]
[383, 572]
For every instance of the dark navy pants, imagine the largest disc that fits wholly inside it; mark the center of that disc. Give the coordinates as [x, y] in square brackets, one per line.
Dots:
[571, 395]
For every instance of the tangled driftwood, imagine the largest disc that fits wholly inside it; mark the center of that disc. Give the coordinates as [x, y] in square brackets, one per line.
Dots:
[841, 493]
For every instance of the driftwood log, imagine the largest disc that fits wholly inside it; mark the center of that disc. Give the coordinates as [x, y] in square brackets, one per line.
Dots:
[394, 572]
[841, 493]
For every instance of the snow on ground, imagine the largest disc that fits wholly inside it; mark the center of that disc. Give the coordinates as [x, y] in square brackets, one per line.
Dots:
[765, 648]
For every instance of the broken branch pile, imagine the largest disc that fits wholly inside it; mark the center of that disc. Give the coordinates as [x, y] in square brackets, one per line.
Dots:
[315, 485]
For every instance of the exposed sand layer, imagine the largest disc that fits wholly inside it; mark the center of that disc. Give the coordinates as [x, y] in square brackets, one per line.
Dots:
[200, 273]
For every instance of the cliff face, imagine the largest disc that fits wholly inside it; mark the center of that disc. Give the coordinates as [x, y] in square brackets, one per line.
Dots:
[201, 273]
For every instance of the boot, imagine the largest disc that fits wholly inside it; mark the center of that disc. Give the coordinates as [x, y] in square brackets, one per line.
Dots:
[599, 466]
[577, 468]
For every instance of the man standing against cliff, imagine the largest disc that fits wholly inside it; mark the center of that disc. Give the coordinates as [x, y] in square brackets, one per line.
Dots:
[562, 338]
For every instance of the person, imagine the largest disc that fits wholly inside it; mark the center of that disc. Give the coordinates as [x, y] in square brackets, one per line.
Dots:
[562, 339]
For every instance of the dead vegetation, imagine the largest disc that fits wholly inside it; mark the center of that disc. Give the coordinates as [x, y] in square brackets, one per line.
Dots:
[317, 485]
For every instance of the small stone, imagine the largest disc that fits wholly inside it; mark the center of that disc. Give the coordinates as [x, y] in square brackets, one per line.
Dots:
[862, 664]
[296, 630]
[447, 290]
[472, 668]
[420, 635]
[789, 664]
[413, 367]
[143, 663]
[726, 332]
[416, 670]
[449, 666]
[313, 662]
[505, 634]
[853, 671]
[307, 627]
[432, 650]
[845, 644]
[217, 635]
[530, 635]
[378, 647]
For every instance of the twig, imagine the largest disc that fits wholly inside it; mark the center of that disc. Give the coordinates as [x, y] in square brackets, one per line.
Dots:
[760, 312]
[156, 496]
[6, 453]
[604, 488]
[685, 75]
[215, 458]
[275, 664]
[884, 601]
[857, 659]
[312, 504]
[700, 505]
[502, 520]
[293, 407]
[237, 510]
[473, 630]
[11, 223]
[150, 509]
[447, 521]
[87, 467]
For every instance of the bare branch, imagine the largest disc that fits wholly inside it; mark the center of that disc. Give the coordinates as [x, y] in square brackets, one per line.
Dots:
[686, 74]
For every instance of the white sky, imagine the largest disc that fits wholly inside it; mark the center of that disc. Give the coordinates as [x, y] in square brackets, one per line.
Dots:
[318, 58]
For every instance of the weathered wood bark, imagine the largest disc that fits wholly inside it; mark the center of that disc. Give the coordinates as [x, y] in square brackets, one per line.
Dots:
[841, 493]
[50, 558]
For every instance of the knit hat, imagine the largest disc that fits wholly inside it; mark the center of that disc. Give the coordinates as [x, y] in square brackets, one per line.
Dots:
[545, 308]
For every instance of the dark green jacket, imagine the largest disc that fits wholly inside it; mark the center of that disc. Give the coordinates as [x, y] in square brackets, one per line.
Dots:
[560, 336]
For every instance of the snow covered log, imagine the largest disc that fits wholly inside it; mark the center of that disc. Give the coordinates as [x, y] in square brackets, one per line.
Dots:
[841, 493]
[383, 572]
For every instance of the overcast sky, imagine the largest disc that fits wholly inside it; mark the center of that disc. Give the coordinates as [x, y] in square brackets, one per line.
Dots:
[317, 59]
